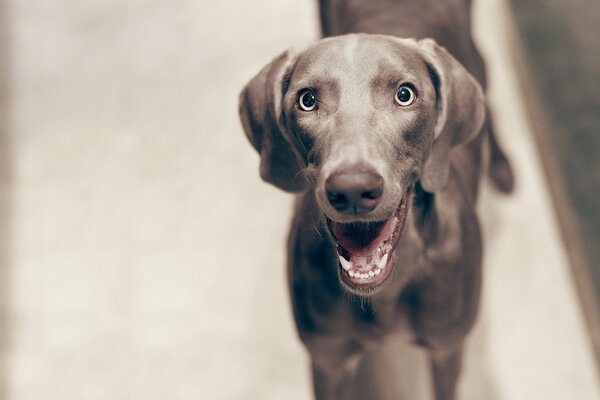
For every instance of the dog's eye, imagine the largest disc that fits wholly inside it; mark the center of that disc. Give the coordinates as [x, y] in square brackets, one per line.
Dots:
[405, 96]
[307, 100]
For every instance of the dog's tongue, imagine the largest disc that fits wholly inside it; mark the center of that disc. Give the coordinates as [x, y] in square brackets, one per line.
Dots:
[362, 238]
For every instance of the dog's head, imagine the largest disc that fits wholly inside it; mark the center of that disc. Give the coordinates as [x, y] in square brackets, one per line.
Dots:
[360, 119]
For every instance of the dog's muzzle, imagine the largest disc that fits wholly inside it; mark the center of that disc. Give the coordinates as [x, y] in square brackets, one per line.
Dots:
[365, 249]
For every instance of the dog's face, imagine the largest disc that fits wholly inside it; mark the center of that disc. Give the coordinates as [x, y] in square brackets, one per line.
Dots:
[360, 119]
[365, 110]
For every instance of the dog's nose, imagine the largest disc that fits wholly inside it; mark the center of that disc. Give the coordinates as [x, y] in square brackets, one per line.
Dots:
[354, 190]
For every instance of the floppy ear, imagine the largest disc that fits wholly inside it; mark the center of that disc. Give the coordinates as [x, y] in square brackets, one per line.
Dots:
[260, 112]
[460, 111]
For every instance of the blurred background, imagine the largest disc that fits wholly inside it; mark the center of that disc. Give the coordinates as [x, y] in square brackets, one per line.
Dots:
[142, 257]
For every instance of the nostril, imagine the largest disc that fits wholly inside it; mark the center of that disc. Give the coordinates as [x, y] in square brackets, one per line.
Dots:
[371, 194]
[369, 199]
[338, 200]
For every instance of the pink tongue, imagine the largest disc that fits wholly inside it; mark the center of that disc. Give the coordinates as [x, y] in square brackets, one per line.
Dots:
[361, 239]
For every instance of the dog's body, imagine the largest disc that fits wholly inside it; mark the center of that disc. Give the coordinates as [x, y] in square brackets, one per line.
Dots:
[382, 138]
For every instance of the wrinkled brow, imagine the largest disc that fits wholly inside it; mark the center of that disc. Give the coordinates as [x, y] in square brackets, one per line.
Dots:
[320, 83]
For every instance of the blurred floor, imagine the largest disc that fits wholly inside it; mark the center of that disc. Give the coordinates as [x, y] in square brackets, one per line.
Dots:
[146, 257]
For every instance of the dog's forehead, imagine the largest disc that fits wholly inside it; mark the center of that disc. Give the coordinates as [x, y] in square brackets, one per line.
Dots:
[363, 56]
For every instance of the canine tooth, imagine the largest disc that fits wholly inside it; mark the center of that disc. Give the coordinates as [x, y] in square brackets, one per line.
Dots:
[383, 261]
[347, 265]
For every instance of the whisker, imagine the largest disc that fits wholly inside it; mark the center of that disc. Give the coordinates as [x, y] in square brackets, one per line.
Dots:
[315, 227]
[308, 173]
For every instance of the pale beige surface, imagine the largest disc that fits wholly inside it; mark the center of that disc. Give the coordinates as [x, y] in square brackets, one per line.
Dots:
[146, 257]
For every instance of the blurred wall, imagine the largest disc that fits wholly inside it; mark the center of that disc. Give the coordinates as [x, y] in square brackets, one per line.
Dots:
[561, 64]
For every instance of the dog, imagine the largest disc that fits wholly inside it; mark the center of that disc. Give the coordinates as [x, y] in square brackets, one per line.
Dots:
[380, 130]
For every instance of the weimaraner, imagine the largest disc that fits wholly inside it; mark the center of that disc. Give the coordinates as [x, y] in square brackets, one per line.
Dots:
[380, 131]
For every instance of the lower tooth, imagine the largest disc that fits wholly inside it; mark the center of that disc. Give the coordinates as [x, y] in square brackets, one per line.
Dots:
[377, 271]
[351, 273]
[371, 274]
[383, 261]
[347, 265]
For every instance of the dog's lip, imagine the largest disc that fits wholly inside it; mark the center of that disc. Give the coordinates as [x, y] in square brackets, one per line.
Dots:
[366, 266]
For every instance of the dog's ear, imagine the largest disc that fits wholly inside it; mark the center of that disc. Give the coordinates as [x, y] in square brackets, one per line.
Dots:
[460, 111]
[260, 112]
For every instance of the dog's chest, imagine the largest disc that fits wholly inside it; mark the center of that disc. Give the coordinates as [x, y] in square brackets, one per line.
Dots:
[379, 318]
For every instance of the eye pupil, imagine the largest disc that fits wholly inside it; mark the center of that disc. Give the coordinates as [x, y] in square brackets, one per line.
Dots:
[308, 100]
[405, 96]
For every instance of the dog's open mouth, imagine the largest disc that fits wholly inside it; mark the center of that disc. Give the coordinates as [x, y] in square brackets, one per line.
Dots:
[365, 248]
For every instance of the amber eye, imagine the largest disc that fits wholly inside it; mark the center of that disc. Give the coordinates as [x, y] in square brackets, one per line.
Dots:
[307, 100]
[405, 96]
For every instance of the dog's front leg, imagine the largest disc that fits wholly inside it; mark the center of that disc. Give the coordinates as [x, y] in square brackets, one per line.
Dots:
[333, 369]
[445, 368]
[332, 384]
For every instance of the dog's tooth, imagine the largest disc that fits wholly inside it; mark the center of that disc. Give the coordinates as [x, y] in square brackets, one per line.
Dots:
[347, 265]
[383, 261]
[377, 271]
[365, 275]
[351, 273]
[371, 274]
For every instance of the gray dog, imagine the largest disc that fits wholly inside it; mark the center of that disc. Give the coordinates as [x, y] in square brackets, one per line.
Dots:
[380, 131]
